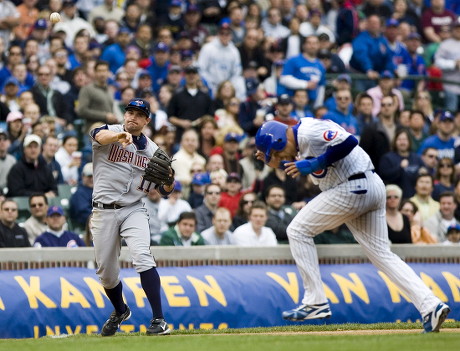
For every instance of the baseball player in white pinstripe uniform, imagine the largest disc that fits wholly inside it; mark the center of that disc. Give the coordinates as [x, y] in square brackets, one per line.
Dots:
[120, 155]
[352, 193]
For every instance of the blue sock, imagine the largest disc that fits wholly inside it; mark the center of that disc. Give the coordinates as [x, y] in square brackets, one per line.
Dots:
[150, 281]
[116, 297]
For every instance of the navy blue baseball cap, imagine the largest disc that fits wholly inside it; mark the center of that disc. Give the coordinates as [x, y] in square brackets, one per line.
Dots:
[392, 22]
[41, 24]
[454, 227]
[139, 104]
[232, 137]
[446, 116]
[201, 179]
[161, 47]
[284, 99]
[387, 75]
[55, 210]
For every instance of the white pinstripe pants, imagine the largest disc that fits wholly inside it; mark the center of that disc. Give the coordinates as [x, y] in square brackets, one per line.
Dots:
[364, 214]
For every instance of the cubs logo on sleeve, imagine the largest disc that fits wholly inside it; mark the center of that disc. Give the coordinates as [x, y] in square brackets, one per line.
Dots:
[330, 135]
[320, 173]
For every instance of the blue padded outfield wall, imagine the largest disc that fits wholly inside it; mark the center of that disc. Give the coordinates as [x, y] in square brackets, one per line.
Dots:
[34, 303]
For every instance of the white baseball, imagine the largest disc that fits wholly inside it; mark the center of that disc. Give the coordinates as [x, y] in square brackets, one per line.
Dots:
[55, 17]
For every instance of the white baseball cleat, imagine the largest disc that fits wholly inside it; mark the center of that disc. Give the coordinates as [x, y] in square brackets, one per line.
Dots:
[304, 312]
[432, 321]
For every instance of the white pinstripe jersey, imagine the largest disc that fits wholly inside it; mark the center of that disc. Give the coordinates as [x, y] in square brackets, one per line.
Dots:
[118, 172]
[314, 136]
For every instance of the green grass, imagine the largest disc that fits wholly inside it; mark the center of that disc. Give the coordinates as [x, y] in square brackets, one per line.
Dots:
[253, 339]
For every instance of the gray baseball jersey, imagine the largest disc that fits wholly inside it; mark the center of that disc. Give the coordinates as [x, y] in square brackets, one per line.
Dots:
[315, 136]
[118, 172]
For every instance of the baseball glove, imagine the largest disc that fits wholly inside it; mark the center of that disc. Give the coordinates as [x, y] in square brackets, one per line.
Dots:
[159, 170]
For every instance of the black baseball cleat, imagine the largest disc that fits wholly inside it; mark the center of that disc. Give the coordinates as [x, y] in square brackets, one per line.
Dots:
[158, 326]
[112, 324]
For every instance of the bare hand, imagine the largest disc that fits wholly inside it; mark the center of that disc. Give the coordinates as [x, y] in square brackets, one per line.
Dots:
[372, 74]
[125, 139]
[260, 156]
[404, 163]
[291, 169]
[312, 85]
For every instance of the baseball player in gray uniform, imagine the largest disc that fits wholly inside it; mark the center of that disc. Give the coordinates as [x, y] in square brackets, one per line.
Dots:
[120, 155]
[352, 193]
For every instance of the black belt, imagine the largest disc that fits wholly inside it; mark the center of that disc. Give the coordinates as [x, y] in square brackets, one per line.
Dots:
[358, 176]
[106, 206]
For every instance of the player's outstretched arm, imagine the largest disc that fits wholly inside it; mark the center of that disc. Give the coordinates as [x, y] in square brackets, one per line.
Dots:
[105, 137]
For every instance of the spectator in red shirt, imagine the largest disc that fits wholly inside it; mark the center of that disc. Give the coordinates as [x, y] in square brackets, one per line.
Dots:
[231, 198]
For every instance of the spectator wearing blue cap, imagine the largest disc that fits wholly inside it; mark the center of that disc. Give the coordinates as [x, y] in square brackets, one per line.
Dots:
[415, 65]
[15, 56]
[220, 60]
[385, 87]
[196, 196]
[342, 114]
[10, 93]
[443, 140]
[453, 236]
[371, 52]
[158, 65]
[401, 57]
[342, 82]
[55, 235]
[174, 18]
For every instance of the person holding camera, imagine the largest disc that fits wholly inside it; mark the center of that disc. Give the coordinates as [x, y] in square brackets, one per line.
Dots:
[69, 159]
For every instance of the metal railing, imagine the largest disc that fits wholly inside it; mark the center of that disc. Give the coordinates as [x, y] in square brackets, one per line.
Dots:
[168, 256]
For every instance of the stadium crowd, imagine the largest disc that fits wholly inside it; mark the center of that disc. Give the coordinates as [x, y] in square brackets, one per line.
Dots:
[213, 72]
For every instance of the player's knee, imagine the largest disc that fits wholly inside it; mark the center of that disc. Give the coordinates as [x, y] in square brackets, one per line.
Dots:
[294, 231]
[109, 282]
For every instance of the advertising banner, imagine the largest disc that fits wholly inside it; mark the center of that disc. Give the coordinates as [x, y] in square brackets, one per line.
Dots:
[35, 303]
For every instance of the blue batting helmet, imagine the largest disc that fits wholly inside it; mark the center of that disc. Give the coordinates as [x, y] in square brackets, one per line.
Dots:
[271, 136]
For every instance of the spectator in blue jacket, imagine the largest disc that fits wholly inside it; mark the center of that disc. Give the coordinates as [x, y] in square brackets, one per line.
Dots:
[56, 236]
[371, 52]
[115, 54]
[159, 65]
[416, 64]
[342, 113]
[81, 200]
